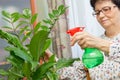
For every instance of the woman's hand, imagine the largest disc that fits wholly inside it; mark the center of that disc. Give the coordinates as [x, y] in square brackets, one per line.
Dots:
[85, 39]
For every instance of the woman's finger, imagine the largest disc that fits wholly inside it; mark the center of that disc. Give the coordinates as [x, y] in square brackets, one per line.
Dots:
[81, 42]
[77, 37]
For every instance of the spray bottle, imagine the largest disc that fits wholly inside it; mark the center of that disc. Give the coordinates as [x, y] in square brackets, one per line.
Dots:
[91, 57]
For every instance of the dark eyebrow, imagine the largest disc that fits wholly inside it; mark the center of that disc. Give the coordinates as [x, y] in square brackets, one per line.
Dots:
[103, 7]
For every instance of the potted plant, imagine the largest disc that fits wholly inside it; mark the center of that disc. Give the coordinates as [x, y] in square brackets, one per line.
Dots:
[24, 58]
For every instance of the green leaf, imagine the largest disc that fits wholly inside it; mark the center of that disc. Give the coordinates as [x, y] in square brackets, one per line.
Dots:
[37, 27]
[51, 15]
[64, 63]
[34, 65]
[50, 76]
[55, 12]
[3, 72]
[6, 14]
[45, 28]
[52, 58]
[26, 69]
[7, 27]
[14, 73]
[12, 39]
[42, 70]
[12, 77]
[34, 17]
[15, 60]
[62, 9]
[27, 13]
[47, 44]
[56, 76]
[15, 16]
[23, 29]
[20, 53]
[26, 36]
[14, 63]
[37, 44]
[1, 79]
[21, 23]
[48, 21]
[8, 20]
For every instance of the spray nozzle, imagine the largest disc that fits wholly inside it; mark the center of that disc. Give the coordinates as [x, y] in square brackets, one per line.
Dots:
[74, 30]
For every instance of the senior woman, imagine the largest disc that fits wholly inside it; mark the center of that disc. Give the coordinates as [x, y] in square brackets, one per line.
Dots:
[107, 13]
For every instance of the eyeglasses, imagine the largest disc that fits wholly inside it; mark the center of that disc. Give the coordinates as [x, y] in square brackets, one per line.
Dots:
[104, 10]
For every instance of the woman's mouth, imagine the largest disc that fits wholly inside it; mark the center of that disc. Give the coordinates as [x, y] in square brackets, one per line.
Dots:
[103, 21]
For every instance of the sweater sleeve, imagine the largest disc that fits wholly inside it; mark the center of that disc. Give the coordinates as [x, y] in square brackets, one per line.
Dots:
[74, 72]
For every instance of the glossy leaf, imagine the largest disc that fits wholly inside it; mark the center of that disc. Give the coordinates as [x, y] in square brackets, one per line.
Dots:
[62, 9]
[21, 23]
[3, 72]
[27, 69]
[6, 14]
[7, 20]
[56, 12]
[48, 21]
[42, 70]
[64, 63]
[47, 44]
[45, 28]
[7, 27]
[15, 74]
[37, 27]
[37, 44]
[51, 15]
[12, 39]
[34, 17]
[15, 60]
[50, 76]
[27, 13]
[52, 58]
[15, 16]
[23, 29]
[20, 53]
[26, 36]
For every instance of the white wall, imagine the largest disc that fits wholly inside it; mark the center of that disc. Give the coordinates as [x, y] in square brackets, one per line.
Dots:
[42, 9]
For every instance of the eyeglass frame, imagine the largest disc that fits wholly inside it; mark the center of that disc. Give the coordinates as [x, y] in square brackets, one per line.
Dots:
[102, 10]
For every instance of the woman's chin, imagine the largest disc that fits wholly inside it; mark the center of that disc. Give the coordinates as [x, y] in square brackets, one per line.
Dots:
[106, 25]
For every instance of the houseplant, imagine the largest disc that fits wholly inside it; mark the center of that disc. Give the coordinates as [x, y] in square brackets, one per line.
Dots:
[24, 56]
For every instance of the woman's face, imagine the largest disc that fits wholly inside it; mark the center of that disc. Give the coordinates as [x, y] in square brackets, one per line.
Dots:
[107, 13]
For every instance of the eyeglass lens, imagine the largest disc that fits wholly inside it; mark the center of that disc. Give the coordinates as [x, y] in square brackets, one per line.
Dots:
[104, 10]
